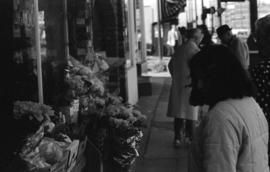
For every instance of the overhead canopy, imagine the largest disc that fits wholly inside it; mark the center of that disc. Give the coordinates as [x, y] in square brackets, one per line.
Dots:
[171, 8]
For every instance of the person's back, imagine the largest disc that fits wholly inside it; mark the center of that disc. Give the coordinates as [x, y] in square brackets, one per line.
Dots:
[246, 130]
[233, 136]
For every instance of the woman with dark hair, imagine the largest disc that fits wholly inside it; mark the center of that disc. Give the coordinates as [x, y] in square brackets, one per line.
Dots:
[207, 39]
[233, 136]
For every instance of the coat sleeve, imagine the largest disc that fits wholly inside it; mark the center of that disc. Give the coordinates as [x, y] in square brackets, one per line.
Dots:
[220, 145]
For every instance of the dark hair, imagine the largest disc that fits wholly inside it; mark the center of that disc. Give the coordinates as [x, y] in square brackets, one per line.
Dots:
[222, 75]
[207, 38]
[204, 29]
[191, 32]
[182, 30]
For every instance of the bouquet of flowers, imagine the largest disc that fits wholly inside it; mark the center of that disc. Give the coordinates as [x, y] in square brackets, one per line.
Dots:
[126, 132]
[125, 119]
[76, 86]
[96, 62]
[35, 110]
[81, 80]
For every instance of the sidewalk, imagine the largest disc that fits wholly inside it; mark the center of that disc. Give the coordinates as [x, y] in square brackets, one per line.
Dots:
[152, 61]
[157, 153]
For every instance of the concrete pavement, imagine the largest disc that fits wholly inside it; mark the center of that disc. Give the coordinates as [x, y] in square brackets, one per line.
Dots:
[157, 153]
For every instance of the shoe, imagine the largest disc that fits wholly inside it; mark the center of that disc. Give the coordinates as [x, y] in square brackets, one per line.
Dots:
[177, 143]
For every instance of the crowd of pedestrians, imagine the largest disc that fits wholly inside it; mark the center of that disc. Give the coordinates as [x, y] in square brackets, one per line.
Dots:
[233, 135]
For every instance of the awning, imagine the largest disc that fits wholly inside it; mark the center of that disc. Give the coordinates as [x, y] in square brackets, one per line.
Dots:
[171, 8]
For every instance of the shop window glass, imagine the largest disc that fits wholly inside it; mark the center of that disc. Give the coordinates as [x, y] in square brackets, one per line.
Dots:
[237, 16]
[263, 7]
[139, 31]
[24, 57]
[52, 48]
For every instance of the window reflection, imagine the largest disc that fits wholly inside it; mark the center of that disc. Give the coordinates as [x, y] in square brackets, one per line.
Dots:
[263, 7]
[42, 31]
[24, 57]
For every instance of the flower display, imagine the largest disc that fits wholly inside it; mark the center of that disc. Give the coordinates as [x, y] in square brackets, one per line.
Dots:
[114, 127]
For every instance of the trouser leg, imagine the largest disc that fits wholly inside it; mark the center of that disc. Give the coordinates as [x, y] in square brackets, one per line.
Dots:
[189, 128]
[178, 124]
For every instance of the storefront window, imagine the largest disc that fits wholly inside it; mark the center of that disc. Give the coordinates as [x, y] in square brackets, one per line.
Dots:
[237, 16]
[140, 33]
[52, 47]
[24, 57]
[263, 7]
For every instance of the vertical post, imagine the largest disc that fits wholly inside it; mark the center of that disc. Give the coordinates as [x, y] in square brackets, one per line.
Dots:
[142, 28]
[196, 13]
[131, 31]
[66, 41]
[203, 20]
[160, 47]
[212, 24]
[218, 12]
[39, 61]
[253, 6]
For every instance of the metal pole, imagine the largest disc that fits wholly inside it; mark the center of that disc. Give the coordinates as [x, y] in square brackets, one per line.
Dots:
[160, 47]
[253, 6]
[66, 30]
[203, 20]
[196, 13]
[219, 14]
[39, 61]
[142, 28]
[212, 21]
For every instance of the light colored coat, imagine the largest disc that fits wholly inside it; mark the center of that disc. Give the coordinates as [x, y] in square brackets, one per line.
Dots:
[233, 137]
[179, 106]
[240, 50]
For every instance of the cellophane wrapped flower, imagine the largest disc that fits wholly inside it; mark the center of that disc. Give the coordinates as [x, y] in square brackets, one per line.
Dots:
[44, 154]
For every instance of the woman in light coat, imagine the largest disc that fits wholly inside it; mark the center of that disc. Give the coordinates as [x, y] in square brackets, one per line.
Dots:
[178, 106]
[233, 137]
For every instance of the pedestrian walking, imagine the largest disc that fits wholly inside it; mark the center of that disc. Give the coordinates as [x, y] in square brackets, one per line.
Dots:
[178, 106]
[171, 40]
[239, 48]
[233, 137]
